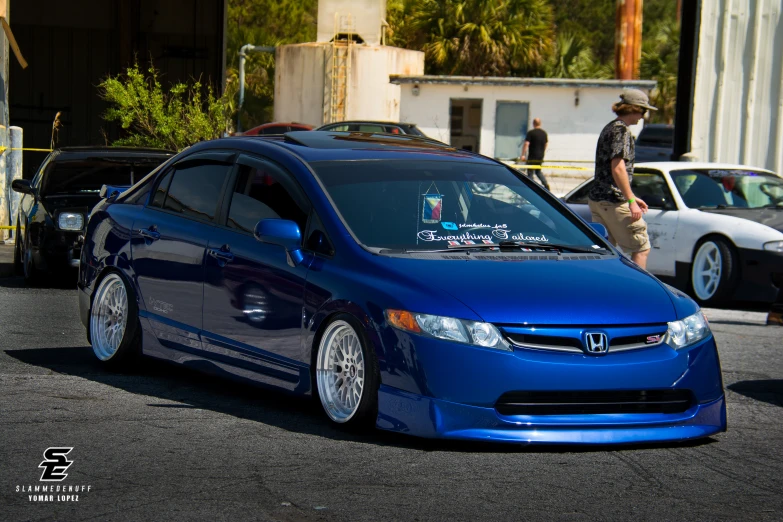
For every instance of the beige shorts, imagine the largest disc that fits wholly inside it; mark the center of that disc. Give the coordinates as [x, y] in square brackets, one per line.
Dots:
[629, 235]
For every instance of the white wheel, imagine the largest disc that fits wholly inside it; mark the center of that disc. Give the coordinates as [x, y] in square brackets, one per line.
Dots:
[340, 371]
[714, 271]
[109, 317]
[706, 271]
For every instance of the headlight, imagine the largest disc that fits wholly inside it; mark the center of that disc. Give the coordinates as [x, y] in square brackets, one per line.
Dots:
[448, 328]
[774, 246]
[685, 332]
[70, 221]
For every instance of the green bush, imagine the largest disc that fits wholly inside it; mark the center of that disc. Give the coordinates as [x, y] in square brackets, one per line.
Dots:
[153, 117]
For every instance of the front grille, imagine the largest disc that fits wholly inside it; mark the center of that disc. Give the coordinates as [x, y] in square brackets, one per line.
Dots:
[593, 402]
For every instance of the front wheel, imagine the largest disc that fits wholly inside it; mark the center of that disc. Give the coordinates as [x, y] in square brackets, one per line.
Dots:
[18, 268]
[713, 271]
[346, 374]
[114, 320]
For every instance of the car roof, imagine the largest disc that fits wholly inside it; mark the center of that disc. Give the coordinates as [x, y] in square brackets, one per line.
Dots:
[668, 166]
[372, 122]
[336, 145]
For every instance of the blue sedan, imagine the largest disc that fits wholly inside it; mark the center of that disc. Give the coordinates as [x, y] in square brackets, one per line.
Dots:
[367, 271]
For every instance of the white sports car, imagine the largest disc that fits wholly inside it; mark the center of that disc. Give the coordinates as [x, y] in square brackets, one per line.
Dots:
[716, 229]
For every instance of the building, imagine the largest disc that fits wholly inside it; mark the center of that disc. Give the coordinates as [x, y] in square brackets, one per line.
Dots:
[71, 46]
[492, 115]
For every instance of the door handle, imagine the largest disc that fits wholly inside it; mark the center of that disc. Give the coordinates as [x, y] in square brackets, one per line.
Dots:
[222, 256]
[149, 233]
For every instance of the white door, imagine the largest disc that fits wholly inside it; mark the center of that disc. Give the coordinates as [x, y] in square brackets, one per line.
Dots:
[662, 219]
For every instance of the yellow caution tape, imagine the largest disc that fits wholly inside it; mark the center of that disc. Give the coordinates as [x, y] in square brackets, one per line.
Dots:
[3, 149]
[7, 227]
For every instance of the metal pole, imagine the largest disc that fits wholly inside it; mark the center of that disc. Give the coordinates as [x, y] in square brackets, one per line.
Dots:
[14, 166]
[242, 57]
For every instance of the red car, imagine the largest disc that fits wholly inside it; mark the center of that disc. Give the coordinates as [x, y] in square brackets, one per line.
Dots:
[276, 128]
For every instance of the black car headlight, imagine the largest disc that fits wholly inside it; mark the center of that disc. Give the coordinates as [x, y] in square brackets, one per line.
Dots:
[70, 221]
[685, 332]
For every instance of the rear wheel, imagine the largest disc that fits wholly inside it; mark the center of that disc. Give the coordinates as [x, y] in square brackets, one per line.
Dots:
[114, 323]
[347, 374]
[713, 271]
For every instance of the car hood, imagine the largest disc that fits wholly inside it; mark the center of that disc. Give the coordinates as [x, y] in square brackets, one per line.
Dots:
[56, 202]
[771, 217]
[553, 292]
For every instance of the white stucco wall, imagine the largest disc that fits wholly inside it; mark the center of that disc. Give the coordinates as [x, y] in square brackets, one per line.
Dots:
[302, 69]
[573, 129]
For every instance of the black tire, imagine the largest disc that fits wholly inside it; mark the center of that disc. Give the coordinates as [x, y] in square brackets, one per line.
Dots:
[18, 268]
[125, 356]
[717, 286]
[32, 276]
[366, 413]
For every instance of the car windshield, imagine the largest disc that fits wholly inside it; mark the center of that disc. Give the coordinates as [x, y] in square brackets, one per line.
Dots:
[69, 177]
[430, 205]
[728, 188]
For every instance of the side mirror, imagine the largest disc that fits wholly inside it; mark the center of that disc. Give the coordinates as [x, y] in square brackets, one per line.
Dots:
[110, 193]
[598, 227]
[22, 185]
[282, 232]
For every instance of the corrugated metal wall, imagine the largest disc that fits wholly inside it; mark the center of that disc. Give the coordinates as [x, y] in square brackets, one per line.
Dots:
[738, 98]
[71, 46]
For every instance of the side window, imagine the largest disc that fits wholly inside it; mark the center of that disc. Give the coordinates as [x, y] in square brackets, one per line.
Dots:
[339, 128]
[580, 196]
[371, 128]
[277, 129]
[317, 240]
[139, 194]
[652, 188]
[160, 191]
[260, 193]
[196, 189]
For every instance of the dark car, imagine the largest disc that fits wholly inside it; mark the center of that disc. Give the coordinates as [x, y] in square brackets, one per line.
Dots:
[655, 143]
[275, 128]
[56, 202]
[365, 270]
[373, 126]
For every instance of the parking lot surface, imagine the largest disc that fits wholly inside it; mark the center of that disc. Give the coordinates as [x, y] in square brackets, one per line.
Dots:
[166, 443]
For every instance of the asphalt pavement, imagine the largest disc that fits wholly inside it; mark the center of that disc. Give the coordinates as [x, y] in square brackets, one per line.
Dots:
[165, 443]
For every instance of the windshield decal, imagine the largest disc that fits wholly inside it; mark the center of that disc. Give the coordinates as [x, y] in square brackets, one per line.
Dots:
[432, 235]
[448, 225]
[433, 204]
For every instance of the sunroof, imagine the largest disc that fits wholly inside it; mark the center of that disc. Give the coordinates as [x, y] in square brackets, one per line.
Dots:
[362, 140]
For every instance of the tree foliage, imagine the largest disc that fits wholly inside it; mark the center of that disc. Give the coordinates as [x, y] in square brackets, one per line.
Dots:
[572, 58]
[476, 37]
[266, 23]
[168, 119]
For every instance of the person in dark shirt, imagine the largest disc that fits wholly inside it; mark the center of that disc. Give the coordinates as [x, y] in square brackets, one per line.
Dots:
[536, 142]
[611, 198]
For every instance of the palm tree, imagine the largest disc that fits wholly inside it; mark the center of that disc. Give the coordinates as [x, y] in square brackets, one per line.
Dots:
[477, 37]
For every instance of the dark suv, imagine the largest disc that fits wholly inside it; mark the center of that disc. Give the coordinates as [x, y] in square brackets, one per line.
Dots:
[56, 202]
[655, 143]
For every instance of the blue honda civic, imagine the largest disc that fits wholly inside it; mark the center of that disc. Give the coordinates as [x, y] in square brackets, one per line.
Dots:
[377, 274]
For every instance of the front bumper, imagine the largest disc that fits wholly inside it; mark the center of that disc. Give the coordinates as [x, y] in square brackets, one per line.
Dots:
[761, 276]
[428, 417]
[447, 390]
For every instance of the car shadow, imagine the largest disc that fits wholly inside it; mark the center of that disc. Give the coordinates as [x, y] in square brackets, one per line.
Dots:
[181, 387]
[769, 391]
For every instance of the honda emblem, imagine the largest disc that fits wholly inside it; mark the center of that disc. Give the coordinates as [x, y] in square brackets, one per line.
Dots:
[597, 342]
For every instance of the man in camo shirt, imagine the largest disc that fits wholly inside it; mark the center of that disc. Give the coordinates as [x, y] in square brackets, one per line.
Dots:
[611, 200]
